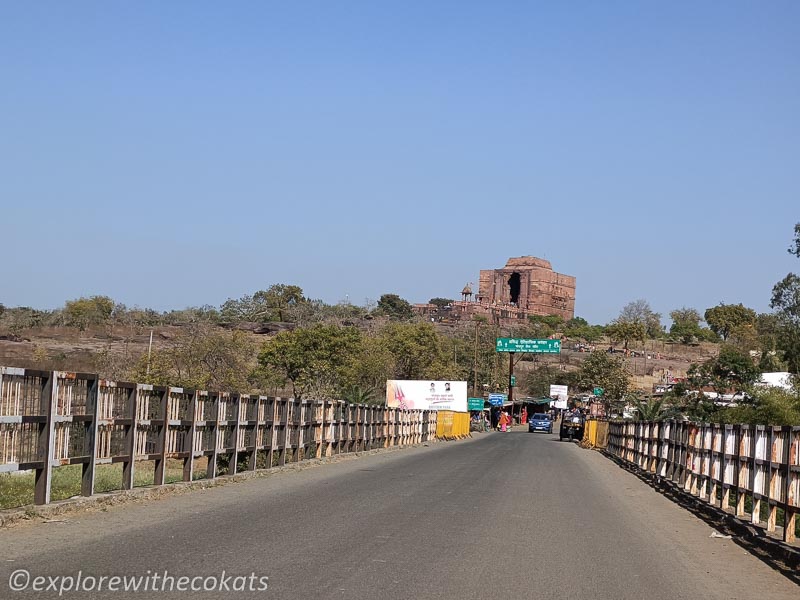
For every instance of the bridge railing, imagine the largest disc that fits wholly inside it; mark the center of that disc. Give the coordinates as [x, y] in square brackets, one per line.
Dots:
[50, 419]
[741, 468]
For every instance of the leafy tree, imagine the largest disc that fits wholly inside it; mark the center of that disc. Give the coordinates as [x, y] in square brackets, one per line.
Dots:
[201, 357]
[604, 370]
[280, 298]
[192, 314]
[575, 323]
[769, 406]
[639, 312]
[318, 359]
[273, 304]
[538, 381]
[733, 370]
[83, 312]
[579, 327]
[795, 247]
[745, 337]
[441, 302]
[686, 324]
[392, 305]
[786, 298]
[726, 318]
[373, 365]
[786, 302]
[626, 331]
[416, 350]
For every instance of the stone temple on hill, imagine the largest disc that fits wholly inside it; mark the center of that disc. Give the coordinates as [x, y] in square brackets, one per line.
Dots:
[525, 286]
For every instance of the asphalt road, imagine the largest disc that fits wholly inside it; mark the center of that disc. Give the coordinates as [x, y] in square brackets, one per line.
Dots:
[512, 515]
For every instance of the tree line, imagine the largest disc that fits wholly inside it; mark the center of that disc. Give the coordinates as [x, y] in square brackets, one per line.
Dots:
[349, 351]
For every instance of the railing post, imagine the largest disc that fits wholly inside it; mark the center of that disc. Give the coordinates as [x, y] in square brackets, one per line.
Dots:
[791, 491]
[215, 400]
[128, 466]
[45, 440]
[188, 463]
[159, 474]
[88, 468]
[740, 491]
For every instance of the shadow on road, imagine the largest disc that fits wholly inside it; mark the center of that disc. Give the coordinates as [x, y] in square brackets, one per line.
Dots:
[778, 555]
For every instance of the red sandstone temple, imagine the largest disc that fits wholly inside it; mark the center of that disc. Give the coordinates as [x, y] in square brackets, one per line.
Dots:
[525, 286]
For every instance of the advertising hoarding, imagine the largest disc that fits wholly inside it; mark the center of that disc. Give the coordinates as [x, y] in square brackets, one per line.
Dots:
[427, 395]
[561, 394]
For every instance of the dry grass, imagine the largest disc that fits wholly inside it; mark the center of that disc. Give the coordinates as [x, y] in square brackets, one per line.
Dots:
[17, 489]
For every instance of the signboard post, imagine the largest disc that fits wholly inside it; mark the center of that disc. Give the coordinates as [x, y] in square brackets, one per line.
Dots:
[523, 345]
[497, 399]
[536, 346]
[475, 403]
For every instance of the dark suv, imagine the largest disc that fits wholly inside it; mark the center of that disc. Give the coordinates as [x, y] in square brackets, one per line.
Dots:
[572, 426]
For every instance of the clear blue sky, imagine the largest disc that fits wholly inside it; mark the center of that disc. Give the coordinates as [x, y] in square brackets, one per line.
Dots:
[178, 153]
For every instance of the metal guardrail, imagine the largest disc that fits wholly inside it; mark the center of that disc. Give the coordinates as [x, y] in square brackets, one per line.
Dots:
[710, 461]
[54, 418]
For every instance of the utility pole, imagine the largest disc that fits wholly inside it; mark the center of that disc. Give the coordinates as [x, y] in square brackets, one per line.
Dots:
[475, 365]
[510, 380]
[149, 352]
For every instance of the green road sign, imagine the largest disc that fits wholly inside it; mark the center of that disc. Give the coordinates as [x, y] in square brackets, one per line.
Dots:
[598, 391]
[474, 403]
[528, 345]
[513, 381]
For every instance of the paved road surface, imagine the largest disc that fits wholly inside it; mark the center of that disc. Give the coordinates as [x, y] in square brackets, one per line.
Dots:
[513, 515]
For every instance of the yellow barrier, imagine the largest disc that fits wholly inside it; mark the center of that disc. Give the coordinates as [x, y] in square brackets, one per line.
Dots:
[595, 435]
[452, 425]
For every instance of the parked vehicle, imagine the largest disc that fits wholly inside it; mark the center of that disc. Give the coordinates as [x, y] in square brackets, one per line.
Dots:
[572, 426]
[540, 422]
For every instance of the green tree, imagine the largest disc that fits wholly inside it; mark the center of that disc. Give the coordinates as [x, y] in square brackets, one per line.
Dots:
[686, 324]
[795, 247]
[281, 298]
[537, 382]
[273, 304]
[607, 371]
[316, 360]
[201, 357]
[441, 302]
[639, 312]
[417, 350]
[579, 328]
[626, 331]
[726, 318]
[395, 307]
[731, 371]
[83, 312]
[769, 406]
[786, 302]
[786, 298]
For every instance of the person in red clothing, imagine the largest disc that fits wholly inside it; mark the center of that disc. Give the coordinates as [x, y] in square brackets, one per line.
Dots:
[523, 417]
[504, 419]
